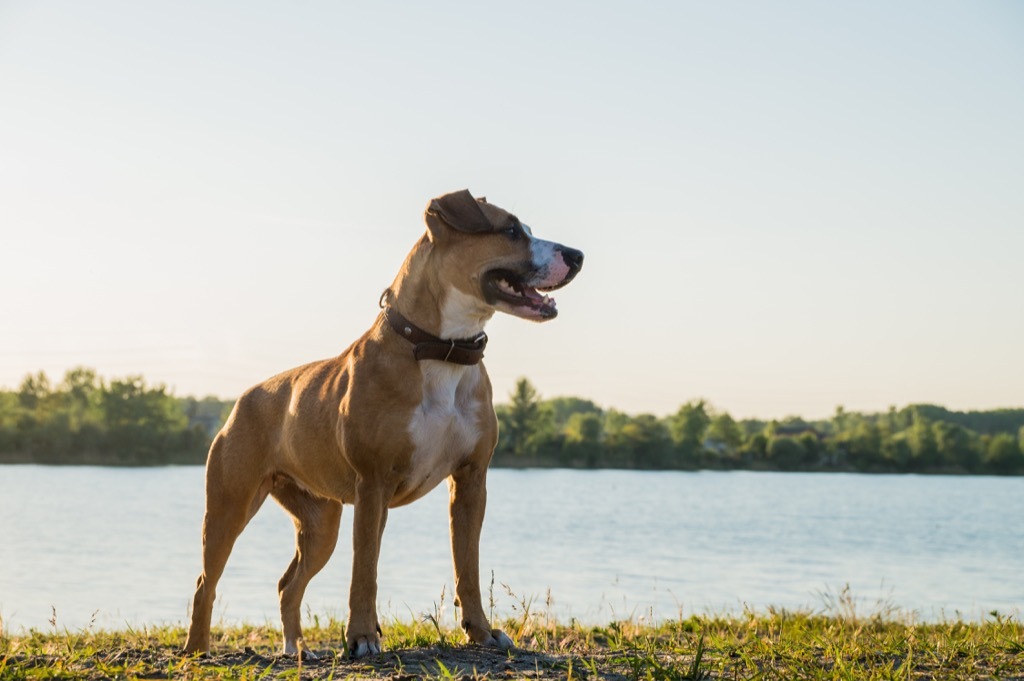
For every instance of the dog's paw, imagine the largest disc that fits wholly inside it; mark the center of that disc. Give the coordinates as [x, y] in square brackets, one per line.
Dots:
[499, 639]
[491, 638]
[303, 654]
[298, 648]
[198, 647]
[364, 645]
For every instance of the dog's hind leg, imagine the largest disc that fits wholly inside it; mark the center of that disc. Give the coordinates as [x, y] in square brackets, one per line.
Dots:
[316, 534]
[233, 495]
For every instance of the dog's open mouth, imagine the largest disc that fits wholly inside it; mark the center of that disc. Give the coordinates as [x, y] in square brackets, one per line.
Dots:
[510, 292]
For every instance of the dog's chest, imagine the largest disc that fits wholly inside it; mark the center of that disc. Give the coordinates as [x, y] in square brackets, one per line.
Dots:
[445, 426]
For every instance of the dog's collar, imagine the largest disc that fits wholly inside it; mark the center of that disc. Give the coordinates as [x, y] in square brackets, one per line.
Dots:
[426, 345]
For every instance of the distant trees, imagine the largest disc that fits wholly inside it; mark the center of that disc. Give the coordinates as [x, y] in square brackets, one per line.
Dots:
[569, 431]
[86, 420]
[1003, 454]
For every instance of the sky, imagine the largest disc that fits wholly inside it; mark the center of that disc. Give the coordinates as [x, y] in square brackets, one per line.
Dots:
[785, 207]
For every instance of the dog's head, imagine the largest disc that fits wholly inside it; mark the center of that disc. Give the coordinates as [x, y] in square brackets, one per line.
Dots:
[496, 258]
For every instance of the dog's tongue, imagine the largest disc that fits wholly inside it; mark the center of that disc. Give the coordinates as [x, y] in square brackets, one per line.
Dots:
[536, 298]
[528, 301]
[539, 303]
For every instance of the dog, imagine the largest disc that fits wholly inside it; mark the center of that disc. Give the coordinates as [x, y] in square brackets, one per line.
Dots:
[406, 406]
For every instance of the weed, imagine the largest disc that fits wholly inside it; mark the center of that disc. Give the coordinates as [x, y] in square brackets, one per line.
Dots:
[435, 619]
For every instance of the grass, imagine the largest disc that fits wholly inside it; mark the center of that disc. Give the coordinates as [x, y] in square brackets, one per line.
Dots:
[770, 645]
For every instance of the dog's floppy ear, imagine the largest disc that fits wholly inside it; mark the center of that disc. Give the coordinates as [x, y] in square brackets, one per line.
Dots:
[460, 211]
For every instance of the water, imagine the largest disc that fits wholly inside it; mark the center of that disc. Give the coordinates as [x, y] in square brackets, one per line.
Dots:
[121, 546]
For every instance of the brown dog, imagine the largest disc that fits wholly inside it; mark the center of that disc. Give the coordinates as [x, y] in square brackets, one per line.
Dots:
[403, 408]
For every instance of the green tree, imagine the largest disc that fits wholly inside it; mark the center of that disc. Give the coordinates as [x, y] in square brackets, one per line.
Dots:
[924, 451]
[786, 452]
[650, 442]
[521, 418]
[43, 428]
[756, 447]
[896, 451]
[724, 430]
[564, 408]
[813, 449]
[80, 394]
[955, 445]
[10, 411]
[640, 441]
[862, 442]
[839, 421]
[1003, 454]
[618, 444]
[584, 435]
[688, 427]
[545, 439]
[34, 392]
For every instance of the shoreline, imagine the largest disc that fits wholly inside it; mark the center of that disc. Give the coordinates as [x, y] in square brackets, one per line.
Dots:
[949, 471]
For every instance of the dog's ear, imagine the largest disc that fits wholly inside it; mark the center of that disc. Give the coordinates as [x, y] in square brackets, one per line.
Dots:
[460, 211]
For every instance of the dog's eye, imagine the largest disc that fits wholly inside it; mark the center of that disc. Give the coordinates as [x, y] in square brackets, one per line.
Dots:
[513, 232]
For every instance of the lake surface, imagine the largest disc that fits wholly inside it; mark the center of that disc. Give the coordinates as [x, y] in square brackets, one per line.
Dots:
[122, 546]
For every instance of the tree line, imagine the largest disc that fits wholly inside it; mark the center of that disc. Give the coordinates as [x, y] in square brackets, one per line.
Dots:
[85, 419]
[576, 433]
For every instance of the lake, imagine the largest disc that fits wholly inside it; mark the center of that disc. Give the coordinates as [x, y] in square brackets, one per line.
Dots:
[119, 546]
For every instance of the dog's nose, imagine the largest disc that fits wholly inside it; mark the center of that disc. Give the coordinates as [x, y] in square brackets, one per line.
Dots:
[573, 258]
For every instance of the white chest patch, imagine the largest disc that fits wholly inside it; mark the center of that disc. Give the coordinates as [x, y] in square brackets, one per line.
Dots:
[463, 315]
[444, 428]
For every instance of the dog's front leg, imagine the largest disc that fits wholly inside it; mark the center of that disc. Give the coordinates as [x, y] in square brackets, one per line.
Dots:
[371, 512]
[467, 499]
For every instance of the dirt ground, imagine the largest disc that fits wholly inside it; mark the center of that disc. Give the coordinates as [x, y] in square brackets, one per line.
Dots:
[433, 662]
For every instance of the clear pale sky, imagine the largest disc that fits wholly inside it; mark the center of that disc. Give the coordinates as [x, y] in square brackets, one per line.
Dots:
[785, 206]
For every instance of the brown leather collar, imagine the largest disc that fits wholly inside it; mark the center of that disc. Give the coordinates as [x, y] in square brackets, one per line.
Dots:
[465, 351]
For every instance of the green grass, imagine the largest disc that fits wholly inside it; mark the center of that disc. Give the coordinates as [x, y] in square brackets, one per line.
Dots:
[769, 645]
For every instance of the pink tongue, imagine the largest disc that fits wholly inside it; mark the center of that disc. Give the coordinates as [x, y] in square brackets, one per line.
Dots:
[533, 294]
[537, 300]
